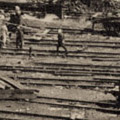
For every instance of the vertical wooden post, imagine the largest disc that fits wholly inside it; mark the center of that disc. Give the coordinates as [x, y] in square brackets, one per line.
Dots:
[45, 11]
[70, 5]
[61, 10]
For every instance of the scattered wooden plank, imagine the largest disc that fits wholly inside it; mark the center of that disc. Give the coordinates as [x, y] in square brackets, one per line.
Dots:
[16, 90]
[17, 94]
[13, 83]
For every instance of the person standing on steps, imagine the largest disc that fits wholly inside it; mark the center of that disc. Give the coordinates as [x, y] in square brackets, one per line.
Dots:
[19, 37]
[15, 19]
[60, 41]
[2, 15]
[18, 15]
[4, 34]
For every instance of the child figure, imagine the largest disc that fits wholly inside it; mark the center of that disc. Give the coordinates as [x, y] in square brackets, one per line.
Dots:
[19, 37]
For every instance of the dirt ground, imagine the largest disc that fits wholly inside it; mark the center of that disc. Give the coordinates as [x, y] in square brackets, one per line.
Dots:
[60, 92]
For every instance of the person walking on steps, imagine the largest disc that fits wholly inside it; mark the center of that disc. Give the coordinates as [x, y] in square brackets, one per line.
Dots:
[60, 41]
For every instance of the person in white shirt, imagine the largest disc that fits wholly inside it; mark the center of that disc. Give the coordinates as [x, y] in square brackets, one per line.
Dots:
[4, 34]
[2, 15]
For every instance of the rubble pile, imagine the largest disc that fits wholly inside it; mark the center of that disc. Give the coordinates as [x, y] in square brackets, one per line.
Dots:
[80, 6]
[101, 5]
[75, 6]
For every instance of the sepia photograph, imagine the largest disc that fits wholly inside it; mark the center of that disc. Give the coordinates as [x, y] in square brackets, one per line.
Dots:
[59, 59]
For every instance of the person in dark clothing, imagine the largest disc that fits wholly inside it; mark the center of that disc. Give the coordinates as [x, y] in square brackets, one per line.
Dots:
[18, 14]
[19, 37]
[60, 41]
[15, 19]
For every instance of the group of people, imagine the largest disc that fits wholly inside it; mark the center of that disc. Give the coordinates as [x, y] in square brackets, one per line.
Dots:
[4, 33]
[4, 36]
